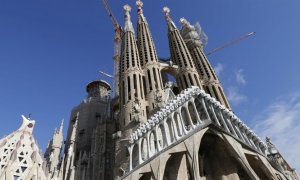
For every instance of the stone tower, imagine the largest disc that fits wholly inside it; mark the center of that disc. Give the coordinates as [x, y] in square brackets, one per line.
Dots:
[187, 74]
[132, 99]
[53, 150]
[79, 156]
[209, 79]
[152, 80]
[20, 156]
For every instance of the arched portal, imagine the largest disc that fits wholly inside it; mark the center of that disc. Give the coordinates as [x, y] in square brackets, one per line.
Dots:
[216, 160]
[147, 176]
[261, 171]
[177, 168]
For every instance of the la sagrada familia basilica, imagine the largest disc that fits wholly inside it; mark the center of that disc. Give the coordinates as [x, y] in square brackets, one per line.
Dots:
[152, 128]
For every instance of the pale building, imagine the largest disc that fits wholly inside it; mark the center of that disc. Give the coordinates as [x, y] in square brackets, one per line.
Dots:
[20, 156]
[151, 130]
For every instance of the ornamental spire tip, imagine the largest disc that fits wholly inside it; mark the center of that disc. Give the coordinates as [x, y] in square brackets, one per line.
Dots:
[139, 4]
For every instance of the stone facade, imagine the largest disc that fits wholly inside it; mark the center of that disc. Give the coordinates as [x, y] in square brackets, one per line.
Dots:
[154, 129]
[20, 156]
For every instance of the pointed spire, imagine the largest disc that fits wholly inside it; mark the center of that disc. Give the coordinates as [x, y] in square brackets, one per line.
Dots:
[141, 17]
[61, 125]
[139, 4]
[171, 24]
[128, 23]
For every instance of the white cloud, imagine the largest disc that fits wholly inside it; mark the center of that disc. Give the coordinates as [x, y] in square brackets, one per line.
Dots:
[281, 122]
[239, 76]
[234, 96]
[219, 69]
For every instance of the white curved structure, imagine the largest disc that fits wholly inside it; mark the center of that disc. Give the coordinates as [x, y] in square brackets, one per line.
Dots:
[189, 112]
[20, 156]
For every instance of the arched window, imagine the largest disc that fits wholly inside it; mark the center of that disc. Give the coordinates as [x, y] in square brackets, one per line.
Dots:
[144, 149]
[178, 124]
[152, 143]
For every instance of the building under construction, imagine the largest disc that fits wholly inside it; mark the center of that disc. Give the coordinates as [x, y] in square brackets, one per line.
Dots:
[155, 127]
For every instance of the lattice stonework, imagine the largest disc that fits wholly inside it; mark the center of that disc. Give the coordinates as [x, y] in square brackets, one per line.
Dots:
[19, 154]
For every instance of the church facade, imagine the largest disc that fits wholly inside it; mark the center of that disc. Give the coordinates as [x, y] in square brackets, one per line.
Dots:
[155, 128]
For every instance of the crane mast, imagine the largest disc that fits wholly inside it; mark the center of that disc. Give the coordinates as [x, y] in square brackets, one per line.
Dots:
[117, 47]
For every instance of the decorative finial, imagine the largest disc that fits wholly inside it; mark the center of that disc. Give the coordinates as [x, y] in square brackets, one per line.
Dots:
[139, 4]
[29, 115]
[127, 8]
[166, 10]
[128, 24]
[183, 21]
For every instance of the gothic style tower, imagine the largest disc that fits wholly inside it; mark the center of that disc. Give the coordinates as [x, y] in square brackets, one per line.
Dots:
[187, 74]
[132, 99]
[209, 79]
[52, 154]
[152, 80]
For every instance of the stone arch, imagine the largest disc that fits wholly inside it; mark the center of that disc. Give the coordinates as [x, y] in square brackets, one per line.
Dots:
[161, 136]
[177, 167]
[214, 150]
[147, 176]
[135, 155]
[193, 115]
[178, 124]
[256, 164]
[185, 119]
[152, 142]
[144, 149]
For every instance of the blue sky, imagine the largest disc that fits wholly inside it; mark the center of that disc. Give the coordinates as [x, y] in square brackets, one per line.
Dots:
[50, 49]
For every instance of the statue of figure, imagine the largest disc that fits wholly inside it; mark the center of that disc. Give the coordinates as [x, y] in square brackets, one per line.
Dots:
[271, 147]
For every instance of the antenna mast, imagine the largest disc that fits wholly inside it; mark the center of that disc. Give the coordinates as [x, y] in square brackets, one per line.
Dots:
[117, 47]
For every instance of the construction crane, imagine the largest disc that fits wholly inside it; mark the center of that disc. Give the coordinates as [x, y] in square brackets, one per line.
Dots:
[117, 47]
[106, 74]
[229, 43]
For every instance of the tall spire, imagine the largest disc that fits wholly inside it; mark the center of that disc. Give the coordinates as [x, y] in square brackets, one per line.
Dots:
[171, 24]
[132, 100]
[209, 79]
[52, 154]
[151, 67]
[128, 24]
[187, 74]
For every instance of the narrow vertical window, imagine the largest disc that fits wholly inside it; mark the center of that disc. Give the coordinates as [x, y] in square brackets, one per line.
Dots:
[136, 93]
[149, 80]
[129, 90]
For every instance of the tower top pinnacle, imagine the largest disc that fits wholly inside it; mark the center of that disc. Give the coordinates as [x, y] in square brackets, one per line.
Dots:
[128, 23]
[139, 4]
[171, 24]
[183, 21]
[167, 10]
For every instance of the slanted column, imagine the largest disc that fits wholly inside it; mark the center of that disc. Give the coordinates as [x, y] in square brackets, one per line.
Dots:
[180, 55]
